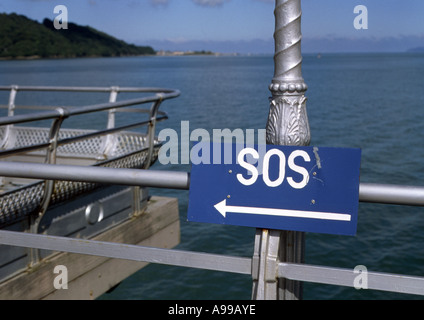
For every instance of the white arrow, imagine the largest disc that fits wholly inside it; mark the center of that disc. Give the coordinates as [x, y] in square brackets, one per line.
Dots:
[224, 209]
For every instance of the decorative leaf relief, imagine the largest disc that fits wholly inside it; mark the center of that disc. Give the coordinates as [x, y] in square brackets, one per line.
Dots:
[293, 126]
[288, 122]
[272, 125]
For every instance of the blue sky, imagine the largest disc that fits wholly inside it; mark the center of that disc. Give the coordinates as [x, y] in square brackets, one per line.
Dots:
[240, 25]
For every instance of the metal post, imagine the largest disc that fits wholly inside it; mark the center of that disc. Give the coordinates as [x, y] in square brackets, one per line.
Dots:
[48, 184]
[112, 99]
[152, 128]
[10, 113]
[287, 125]
[109, 140]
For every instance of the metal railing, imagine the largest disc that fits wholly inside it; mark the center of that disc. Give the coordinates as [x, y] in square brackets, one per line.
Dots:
[389, 194]
[111, 146]
[59, 114]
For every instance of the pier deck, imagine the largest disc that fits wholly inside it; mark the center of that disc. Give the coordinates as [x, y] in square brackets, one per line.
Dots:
[91, 276]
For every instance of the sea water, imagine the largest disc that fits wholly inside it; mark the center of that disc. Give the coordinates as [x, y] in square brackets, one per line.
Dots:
[370, 101]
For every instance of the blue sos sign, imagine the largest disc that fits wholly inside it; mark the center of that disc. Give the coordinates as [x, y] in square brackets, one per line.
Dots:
[306, 189]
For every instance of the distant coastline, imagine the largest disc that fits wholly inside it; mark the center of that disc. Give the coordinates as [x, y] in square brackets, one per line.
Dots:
[23, 38]
[29, 58]
[36, 57]
[160, 53]
[185, 53]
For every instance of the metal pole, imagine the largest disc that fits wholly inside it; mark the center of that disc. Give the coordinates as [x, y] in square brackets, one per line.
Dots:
[391, 194]
[287, 125]
[93, 174]
[173, 257]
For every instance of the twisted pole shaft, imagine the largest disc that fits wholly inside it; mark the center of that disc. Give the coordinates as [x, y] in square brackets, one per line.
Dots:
[288, 121]
[288, 56]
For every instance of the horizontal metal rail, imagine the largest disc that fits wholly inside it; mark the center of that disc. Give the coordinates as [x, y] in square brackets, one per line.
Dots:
[374, 193]
[39, 108]
[129, 177]
[215, 262]
[391, 194]
[129, 252]
[345, 277]
[67, 112]
[87, 89]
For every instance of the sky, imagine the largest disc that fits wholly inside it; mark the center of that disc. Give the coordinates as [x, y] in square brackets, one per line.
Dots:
[244, 26]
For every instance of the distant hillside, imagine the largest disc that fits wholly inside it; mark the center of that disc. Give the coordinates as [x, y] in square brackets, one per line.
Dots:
[21, 37]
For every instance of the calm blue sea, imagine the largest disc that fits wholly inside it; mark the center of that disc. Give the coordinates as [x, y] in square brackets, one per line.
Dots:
[370, 101]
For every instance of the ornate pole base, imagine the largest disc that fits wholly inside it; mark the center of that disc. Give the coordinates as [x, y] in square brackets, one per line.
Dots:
[288, 122]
